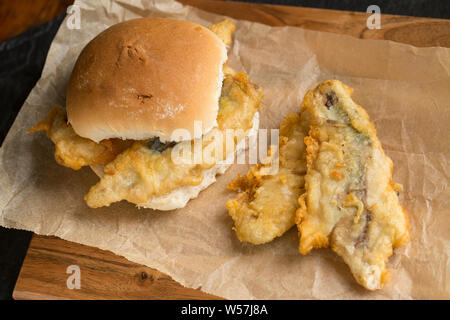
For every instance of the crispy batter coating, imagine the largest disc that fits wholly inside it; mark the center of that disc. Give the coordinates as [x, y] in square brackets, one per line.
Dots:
[72, 150]
[224, 29]
[265, 207]
[351, 202]
[140, 173]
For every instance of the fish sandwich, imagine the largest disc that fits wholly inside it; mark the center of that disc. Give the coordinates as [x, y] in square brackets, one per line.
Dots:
[133, 87]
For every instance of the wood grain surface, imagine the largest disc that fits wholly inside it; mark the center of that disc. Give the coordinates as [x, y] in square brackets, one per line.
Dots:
[107, 276]
[103, 275]
[420, 32]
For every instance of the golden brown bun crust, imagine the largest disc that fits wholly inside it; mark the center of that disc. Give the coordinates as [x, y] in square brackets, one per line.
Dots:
[146, 77]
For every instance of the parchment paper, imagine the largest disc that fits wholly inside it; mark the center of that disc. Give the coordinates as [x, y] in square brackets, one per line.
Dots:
[406, 91]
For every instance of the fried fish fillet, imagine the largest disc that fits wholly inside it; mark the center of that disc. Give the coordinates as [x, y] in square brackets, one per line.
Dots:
[351, 202]
[72, 150]
[223, 29]
[265, 207]
[140, 172]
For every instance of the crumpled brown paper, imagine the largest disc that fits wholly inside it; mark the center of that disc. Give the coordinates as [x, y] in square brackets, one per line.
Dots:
[406, 91]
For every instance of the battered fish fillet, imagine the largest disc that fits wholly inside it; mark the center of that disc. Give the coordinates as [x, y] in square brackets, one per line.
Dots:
[72, 150]
[140, 172]
[350, 202]
[223, 30]
[265, 207]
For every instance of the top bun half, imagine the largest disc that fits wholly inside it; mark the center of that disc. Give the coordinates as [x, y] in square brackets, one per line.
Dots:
[144, 78]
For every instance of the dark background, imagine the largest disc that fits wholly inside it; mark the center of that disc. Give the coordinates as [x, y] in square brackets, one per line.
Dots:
[416, 8]
[22, 59]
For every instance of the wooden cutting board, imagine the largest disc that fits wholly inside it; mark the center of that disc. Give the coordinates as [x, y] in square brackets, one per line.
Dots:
[107, 276]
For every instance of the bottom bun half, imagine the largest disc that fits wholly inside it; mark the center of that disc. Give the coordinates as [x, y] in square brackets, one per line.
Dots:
[179, 197]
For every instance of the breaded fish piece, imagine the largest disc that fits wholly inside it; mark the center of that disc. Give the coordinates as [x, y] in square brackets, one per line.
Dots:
[140, 172]
[351, 202]
[72, 150]
[265, 207]
[223, 29]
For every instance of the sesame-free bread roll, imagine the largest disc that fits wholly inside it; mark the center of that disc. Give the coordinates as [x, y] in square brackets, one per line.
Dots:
[144, 78]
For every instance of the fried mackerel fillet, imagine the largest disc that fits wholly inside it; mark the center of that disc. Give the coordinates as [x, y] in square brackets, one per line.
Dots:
[265, 207]
[223, 29]
[351, 202]
[141, 172]
[72, 150]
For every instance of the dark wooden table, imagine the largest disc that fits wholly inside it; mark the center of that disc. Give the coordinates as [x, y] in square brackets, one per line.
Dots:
[107, 276]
